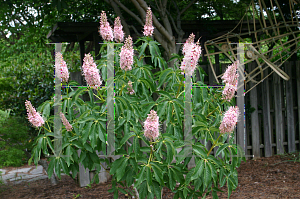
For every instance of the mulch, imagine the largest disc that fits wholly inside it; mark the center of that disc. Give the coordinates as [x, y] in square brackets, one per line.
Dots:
[273, 177]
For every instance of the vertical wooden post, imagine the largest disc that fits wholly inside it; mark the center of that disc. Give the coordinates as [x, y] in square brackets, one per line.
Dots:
[254, 117]
[266, 116]
[290, 108]
[82, 51]
[83, 174]
[278, 113]
[241, 131]
[298, 92]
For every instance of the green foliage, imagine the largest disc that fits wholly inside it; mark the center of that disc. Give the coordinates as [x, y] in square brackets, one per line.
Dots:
[148, 169]
[14, 140]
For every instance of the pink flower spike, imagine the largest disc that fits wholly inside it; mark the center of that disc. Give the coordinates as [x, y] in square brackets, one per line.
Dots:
[151, 125]
[229, 120]
[118, 32]
[64, 68]
[34, 117]
[126, 55]
[191, 52]
[148, 27]
[130, 89]
[65, 122]
[105, 29]
[231, 76]
[90, 71]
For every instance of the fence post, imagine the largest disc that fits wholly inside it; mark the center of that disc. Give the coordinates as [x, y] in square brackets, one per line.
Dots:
[278, 113]
[254, 117]
[266, 116]
[290, 108]
[241, 131]
[298, 92]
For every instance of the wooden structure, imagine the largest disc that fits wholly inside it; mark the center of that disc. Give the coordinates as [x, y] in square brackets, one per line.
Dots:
[267, 36]
[272, 111]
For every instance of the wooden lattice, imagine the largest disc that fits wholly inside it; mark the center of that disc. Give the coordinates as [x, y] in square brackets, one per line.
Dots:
[269, 29]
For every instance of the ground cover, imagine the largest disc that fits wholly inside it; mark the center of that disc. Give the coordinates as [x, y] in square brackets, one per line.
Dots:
[273, 177]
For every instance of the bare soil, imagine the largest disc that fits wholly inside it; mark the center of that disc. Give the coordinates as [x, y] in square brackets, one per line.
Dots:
[273, 177]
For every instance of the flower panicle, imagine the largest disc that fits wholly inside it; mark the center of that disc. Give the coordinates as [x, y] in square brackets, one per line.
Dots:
[130, 89]
[230, 78]
[126, 55]
[34, 117]
[65, 122]
[148, 27]
[90, 71]
[229, 120]
[105, 31]
[118, 31]
[191, 52]
[64, 69]
[151, 126]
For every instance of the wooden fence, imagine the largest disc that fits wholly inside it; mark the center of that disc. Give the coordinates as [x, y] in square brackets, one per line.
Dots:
[272, 115]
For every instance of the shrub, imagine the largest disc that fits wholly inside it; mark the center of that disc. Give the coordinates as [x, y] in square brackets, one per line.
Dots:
[14, 140]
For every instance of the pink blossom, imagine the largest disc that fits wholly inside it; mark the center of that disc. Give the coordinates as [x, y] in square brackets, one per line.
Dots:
[91, 71]
[151, 126]
[148, 27]
[229, 91]
[130, 89]
[229, 120]
[230, 76]
[65, 122]
[105, 29]
[34, 117]
[118, 32]
[191, 52]
[126, 55]
[63, 67]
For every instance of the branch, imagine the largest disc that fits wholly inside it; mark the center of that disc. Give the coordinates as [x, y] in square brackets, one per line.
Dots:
[129, 12]
[189, 5]
[173, 23]
[135, 30]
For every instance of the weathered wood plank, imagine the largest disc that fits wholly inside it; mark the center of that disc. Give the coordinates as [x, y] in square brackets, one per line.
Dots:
[83, 174]
[278, 113]
[298, 92]
[289, 108]
[240, 101]
[254, 118]
[266, 116]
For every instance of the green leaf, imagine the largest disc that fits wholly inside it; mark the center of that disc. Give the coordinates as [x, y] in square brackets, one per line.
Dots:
[121, 170]
[51, 167]
[64, 166]
[125, 138]
[140, 177]
[69, 153]
[198, 169]
[46, 111]
[157, 190]
[142, 50]
[221, 148]
[170, 152]
[207, 174]
[199, 151]
[58, 167]
[172, 182]
[149, 178]
[136, 146]
[178, 113]
[143, 190]
[88, 147]
[157, 173]
[164, 74]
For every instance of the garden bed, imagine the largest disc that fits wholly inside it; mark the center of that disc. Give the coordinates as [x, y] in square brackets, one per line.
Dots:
[273, 177]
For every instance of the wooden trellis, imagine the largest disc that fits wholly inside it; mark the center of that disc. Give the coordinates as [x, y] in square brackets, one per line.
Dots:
[266, 38]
